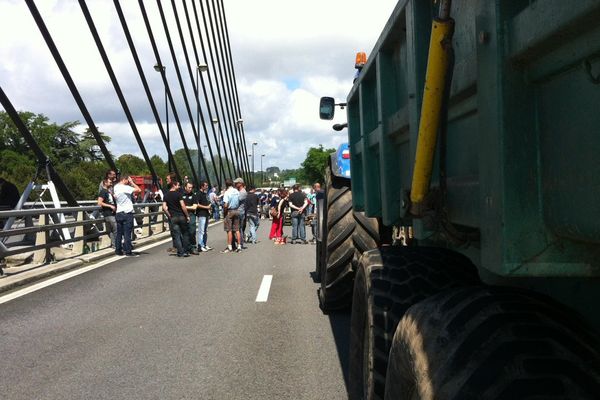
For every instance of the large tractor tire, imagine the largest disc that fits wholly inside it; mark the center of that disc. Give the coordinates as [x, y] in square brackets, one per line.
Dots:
[322, 235]
[492, 343]
[366, 235]
[337, 275]
[388, 281]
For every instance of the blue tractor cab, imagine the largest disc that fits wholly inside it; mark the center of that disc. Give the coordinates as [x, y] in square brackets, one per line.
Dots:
[340, 161]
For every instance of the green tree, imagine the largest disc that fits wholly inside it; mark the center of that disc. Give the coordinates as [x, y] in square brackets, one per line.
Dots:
[273, 170]
[89, 147]
[84, 178]
[60, 143]
[132, 165]
[17, 168]
[65, 145]
[184, 167]
[160, 166]
[315, 163]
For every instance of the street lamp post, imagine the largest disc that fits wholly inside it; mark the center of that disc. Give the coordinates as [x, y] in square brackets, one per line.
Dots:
[162, 69]
[262, 175]
[253, 144]
[240, 123]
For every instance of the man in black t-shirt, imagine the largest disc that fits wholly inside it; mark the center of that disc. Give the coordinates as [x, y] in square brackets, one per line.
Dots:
[202, 213]
[191, 204]
[252, 219]
[109, 208]
[298, 203]
[175, 208]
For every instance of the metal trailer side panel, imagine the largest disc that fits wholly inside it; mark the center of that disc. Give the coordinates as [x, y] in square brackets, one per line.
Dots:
[523, 134]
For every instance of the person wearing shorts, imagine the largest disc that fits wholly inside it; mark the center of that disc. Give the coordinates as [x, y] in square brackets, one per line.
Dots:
[231, 224]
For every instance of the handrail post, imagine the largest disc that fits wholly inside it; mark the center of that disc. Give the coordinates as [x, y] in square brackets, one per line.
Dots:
[160, 221]
[146, 229]
[105, 241]
[41, 238]
[79, 233]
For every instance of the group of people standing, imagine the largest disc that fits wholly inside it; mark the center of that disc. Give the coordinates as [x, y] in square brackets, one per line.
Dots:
[188, 212]
[300, 204]
[240, 212]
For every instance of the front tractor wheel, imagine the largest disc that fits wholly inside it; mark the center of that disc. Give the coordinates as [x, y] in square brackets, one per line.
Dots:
[337, 275]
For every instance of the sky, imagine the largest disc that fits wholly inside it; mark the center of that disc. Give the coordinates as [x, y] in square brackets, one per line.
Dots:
[286, 55]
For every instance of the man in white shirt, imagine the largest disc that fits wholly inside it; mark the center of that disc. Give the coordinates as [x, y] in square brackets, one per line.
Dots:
[123, 192]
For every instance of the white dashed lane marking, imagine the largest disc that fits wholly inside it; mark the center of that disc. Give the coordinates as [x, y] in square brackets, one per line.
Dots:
[263, 291]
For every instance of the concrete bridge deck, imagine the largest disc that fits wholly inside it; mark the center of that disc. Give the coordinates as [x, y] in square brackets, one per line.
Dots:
[160, 327]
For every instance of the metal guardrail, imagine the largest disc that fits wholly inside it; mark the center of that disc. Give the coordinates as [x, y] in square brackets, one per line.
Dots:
[87, 230]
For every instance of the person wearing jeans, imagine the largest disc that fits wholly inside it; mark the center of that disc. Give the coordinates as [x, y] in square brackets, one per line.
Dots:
[123, 236]
[124, 217]
[214, 201]
[191, 204]
[174, 207]
[298, 203]
[252, 219]
[202, 212]
[181, 234]
[106, 200]
[253, 223]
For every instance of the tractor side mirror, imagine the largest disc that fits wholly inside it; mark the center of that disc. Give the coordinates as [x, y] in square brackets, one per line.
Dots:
[327, 108]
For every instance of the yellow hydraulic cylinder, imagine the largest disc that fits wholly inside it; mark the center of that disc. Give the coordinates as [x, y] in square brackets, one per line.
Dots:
[440, 47]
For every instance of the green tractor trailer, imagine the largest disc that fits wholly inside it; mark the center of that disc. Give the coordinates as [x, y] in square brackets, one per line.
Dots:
[475, 125]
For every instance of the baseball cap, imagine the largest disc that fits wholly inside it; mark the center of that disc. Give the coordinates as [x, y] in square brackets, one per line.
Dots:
[238, 180]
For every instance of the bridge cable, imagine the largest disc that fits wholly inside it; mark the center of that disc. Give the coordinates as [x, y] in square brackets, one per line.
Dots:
[200, 114]
[219, 57]
[232, 75]
[145, 84]
[117, 87]
[211, 85]
[167, 88]
[217, 73]
[69, 81]
[228, 64]
[210, 115]
[208, 72]
[180, 80]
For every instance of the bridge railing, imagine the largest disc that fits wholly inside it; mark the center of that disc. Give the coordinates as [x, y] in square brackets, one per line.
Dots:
[81, 230]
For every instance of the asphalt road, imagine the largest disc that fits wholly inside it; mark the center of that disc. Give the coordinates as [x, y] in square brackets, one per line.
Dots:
[160, 327]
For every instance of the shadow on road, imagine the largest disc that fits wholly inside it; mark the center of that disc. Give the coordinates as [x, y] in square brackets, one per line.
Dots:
[340, 327]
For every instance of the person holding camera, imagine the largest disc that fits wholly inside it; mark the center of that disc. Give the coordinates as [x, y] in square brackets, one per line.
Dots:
[123, 194]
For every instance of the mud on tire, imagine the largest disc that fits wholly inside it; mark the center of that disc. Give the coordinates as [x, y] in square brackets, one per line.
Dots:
[388, 281]
[492, 343]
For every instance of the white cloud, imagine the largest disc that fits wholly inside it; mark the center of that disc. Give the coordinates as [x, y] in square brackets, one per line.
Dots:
[286, 56]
